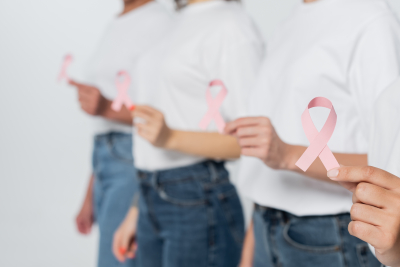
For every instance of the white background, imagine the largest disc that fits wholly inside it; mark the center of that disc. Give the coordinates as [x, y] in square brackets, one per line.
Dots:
[45, 140]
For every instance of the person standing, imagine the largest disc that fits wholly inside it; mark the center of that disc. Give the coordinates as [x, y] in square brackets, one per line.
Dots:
[346, 51]
[141, 24]
[190, 213]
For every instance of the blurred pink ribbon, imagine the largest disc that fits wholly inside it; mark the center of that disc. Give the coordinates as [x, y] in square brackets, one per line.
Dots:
[122, 87]
[213, 107]
[66, 63]
[318, 140]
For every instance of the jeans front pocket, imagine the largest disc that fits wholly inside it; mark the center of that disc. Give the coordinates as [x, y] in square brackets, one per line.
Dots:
[185, 192]
[313, 234]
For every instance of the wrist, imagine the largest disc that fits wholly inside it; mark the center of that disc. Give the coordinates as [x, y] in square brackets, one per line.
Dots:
[289, 158]
[171, 140]
[105, 109]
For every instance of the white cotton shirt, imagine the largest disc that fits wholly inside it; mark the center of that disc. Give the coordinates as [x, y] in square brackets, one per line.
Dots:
[126, 38]
[345, 50]
[211, 40]
[384, 149]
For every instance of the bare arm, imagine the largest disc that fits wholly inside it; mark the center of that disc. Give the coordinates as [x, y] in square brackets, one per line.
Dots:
[209, 145]
[123, 116]
[258, 138]
[248, 248]
[85, 218]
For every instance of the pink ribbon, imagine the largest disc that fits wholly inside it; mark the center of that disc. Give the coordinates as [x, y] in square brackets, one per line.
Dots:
[213, 107]
[122, 87]
[66, 63]
[318, 140]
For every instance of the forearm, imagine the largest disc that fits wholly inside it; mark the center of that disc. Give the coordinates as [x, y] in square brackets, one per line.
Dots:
[248, 247]
[317, 169]
[209, 145]
[123, 116]
[89, 190]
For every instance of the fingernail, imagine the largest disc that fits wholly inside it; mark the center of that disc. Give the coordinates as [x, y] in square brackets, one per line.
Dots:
[122, 251]
[333, 173]
[132, 108]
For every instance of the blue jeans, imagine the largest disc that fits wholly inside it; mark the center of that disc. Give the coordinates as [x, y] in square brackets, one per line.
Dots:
[285, 240]
[114, 186]
[189, 217]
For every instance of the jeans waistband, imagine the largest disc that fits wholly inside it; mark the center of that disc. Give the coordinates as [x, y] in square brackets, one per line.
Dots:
[209, 170]
[112, 135]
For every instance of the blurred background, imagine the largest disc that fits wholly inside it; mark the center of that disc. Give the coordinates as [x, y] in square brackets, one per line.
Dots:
[45, 140]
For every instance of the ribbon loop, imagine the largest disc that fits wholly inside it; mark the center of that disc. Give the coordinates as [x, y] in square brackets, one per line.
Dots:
[318, 140]
[63, 74]
[213, 107]
[122, 87]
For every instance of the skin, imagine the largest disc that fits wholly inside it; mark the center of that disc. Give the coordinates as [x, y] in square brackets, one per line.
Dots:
[248, 249]
[94, 103]
[154, 129]
[85, 218]
[375, 211]
[124, 243]
[257, 138]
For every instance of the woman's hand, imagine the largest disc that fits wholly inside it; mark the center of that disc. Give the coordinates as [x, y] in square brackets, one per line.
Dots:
[124, 243]
[85, 218]
[258, 138]
[153, 127]
[376, 209]
[90, 98]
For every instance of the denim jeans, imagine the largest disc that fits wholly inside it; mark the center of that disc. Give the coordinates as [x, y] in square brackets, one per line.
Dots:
[114, 186]
[189, 217]
[285, 240]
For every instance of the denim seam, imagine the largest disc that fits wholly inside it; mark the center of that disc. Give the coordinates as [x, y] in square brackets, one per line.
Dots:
[229, 217]
[110, 146]
[274, 249]
[212, 233]
[342, 247]
[265, 236]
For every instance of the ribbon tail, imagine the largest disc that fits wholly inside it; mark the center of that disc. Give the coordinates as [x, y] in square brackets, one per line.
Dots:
[219, 121]
[305, 161]
[328, 159]
[205, 121]
[128, 103]
[116, 105]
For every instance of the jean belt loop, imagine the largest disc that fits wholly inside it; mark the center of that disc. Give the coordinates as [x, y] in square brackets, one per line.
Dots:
[213, 171]
[154, 180]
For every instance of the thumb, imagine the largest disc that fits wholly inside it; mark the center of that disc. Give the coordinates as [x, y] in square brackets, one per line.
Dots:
[75, 83]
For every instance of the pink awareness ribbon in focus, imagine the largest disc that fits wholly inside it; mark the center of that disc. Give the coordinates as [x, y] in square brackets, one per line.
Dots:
[122, 87]
[66, 63]
[213, 107]
[318, 140]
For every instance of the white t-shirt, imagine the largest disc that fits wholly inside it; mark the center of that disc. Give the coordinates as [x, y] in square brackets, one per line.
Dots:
[126, 38]
[211, 40]
[345, 50]
[384, 149]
